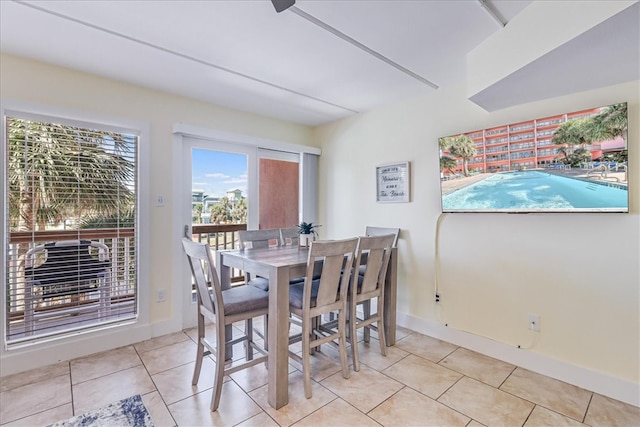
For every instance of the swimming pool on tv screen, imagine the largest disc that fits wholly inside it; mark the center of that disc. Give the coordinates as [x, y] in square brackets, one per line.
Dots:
[536, 191]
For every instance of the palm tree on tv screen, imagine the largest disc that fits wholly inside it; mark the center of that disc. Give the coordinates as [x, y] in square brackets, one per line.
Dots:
[460, 146]
[573, 136]
[609, 124]
[448, 163]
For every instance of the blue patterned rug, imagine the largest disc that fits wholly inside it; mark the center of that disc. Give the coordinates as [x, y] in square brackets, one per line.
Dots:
[127, 412]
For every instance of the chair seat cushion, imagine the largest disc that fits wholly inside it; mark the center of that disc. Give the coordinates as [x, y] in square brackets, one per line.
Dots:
[244, 298]
[316, 276]
[261, 283]
[360, 276]
[296, 292]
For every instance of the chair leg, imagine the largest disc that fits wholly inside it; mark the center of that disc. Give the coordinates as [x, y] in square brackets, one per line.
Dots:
[306, 362]
[381, 334]
[199, 351]
[218, 377]
[342, 330]
[248, 331]
[366, 309]
[353, 334]
[266, 331]
[315, 324]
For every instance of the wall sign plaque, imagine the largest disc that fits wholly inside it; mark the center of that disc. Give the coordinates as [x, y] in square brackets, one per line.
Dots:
[392, 183]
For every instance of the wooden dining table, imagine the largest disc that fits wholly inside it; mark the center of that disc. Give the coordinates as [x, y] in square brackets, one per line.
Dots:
[279, 264]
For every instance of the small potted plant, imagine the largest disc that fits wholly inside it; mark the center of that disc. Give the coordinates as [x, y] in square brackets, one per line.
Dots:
[307, 232]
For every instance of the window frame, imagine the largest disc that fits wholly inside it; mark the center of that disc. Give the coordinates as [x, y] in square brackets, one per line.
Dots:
[100, 337]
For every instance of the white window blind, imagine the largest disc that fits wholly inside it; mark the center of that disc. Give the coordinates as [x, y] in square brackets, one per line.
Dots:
[72, 199]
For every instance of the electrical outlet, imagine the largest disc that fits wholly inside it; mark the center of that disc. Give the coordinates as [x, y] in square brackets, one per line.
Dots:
[161, 295]
[534, 322]
[438, 299]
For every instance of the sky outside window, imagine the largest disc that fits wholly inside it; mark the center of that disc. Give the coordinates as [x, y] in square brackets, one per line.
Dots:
[217, 172]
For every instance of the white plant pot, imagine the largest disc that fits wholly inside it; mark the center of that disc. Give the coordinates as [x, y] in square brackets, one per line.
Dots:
[305, 240]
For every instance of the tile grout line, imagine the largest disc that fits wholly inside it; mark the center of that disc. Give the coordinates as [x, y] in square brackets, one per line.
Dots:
[155, 386]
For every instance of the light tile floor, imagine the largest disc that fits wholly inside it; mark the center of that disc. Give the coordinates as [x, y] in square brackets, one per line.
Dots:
[422, 382]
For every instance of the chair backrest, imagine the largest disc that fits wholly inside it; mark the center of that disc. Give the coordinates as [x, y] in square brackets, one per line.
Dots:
[377, 249]
[289, 237]
[335, 255]
[204, 272]
[259, 238]
[383, 231]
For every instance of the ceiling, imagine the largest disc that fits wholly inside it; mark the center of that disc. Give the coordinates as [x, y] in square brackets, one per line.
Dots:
[311, 64]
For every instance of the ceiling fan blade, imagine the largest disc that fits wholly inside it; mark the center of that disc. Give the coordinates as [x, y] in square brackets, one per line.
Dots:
[281, 5]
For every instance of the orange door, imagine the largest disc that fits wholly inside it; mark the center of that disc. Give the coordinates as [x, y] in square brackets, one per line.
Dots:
[279, 188]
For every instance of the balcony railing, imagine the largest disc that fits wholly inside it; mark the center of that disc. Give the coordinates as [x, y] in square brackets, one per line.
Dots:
[219, 237]
[32, 314]
[67, 312]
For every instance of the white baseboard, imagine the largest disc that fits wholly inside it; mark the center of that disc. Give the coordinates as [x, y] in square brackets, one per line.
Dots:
[165, 327]
[598, 382]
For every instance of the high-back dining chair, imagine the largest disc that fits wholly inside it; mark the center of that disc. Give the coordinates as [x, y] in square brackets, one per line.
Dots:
[375, 231]
[313, 298]
[255, 239]
[383, 231]
[266, 238]
[223, 307]
[370, 284]
[289, 237]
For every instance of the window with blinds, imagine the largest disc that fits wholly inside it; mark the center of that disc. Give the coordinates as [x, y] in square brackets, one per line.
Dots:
[72, 239]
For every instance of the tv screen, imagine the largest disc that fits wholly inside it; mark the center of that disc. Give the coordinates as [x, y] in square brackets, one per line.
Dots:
[571, 162]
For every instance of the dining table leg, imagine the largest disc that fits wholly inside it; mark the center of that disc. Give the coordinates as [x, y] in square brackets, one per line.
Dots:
[391, 298]
[278, 361]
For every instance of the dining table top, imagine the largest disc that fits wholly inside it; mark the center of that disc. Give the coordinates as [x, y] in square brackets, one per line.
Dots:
[276, 256]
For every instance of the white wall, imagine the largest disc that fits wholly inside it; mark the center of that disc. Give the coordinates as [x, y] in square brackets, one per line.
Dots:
[579, 272]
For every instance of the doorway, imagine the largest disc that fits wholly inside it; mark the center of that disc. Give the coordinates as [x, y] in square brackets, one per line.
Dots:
[225, 183]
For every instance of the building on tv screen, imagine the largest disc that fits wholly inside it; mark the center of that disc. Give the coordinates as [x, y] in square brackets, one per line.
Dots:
[563, 163]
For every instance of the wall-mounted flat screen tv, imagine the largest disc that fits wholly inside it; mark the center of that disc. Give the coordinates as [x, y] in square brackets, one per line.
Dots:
[571, 162]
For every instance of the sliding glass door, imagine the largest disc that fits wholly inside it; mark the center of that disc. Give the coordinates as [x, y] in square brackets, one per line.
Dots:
[234, 187]
[218, 187]
[235, 184]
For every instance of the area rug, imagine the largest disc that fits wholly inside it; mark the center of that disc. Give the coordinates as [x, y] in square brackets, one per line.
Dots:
[126, 412]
